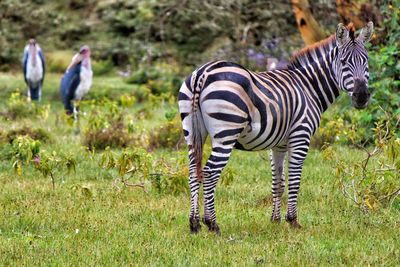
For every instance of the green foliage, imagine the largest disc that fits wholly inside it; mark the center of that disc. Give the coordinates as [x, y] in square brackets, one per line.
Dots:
[21, 151]
[159, 79]
[19, 107]
[140, 165]
[373, 182]
[106, 127]
[127, 101]
[58, 61]
[102, 67]
[169, 134]
[50, 163]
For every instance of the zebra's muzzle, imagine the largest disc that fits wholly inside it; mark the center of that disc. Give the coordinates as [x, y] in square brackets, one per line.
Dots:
[360, 95]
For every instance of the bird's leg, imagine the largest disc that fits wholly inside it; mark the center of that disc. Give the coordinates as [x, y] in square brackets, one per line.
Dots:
[76, 117]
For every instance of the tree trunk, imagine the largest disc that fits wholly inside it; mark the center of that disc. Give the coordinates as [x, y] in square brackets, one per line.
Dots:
[309, 28]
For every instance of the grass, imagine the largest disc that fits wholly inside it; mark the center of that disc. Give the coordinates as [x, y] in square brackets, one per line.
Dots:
[87, 220]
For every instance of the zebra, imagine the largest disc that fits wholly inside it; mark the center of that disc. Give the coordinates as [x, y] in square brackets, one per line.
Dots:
[278, 110]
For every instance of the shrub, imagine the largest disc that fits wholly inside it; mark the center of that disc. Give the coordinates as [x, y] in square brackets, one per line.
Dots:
[3, 136]
[21, 151]
[58, 61]
[169, 134]
[106, 127]
[160, 78]
[165, 176]
[50, 163]
[114, 134]
[170, 177]
[18, 107]
[102, 67]
[373, 182]
[38, 134]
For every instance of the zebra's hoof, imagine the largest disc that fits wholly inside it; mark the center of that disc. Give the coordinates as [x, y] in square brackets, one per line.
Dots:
[276, 220]
[195, 225]
[293, 223]
[212, 226]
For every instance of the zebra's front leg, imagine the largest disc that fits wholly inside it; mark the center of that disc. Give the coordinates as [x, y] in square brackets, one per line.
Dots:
[278, 181]
[194, 185]
[297, 156]
[212, 171]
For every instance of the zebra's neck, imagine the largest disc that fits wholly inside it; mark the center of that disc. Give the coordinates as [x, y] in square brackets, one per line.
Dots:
[316, 65]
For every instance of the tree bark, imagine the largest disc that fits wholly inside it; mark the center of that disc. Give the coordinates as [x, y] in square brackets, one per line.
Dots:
[309, 28]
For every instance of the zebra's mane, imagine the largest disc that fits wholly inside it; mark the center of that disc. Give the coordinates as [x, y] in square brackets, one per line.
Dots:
[308, 54]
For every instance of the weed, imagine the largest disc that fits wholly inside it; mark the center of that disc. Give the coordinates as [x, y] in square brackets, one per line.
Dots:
[374, 181]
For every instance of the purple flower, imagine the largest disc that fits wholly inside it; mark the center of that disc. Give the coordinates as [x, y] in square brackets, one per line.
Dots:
[36, 159]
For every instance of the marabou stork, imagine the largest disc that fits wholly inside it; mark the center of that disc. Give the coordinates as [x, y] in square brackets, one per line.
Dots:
[33, 65]
[77, 80]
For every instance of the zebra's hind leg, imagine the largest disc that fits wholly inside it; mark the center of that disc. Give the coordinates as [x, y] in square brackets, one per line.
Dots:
[194, 185]
[212, 171]
[297, 155]
[278, 180]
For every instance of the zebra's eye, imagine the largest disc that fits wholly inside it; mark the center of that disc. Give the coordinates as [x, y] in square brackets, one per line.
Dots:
[343, 61]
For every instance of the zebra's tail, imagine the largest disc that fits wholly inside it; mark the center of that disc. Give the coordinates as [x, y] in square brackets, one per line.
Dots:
[197, 123]
[192, 122]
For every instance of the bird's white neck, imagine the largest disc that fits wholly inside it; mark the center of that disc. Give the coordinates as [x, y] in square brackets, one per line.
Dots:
[32, 52]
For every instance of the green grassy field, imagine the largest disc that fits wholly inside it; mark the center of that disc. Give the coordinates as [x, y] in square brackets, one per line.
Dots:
[90, 220]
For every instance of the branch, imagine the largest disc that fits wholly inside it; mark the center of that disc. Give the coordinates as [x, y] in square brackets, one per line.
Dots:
[141, 185]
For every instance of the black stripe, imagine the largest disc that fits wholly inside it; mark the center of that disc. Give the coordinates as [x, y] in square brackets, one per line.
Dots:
[224, 64]
[230, 132]
[184, 115]
[183, 96]
[229, 97]
[227, 117]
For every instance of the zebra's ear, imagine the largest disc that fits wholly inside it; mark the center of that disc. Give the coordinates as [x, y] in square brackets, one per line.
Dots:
[366, 32]
[342, 34]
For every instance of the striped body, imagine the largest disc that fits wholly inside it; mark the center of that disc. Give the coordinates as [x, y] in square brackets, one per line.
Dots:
[278, 110]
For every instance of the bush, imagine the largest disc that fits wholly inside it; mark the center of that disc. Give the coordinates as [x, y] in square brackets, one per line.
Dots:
[165, 176]
[169, 134]
[102, 67]
[38, 134]
[373, 182]
[19, 107]
[106, 127]
[58, 61]
[21, 151]
[160, 78]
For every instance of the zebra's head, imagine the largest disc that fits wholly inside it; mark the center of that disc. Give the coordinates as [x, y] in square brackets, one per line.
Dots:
[352, 63]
